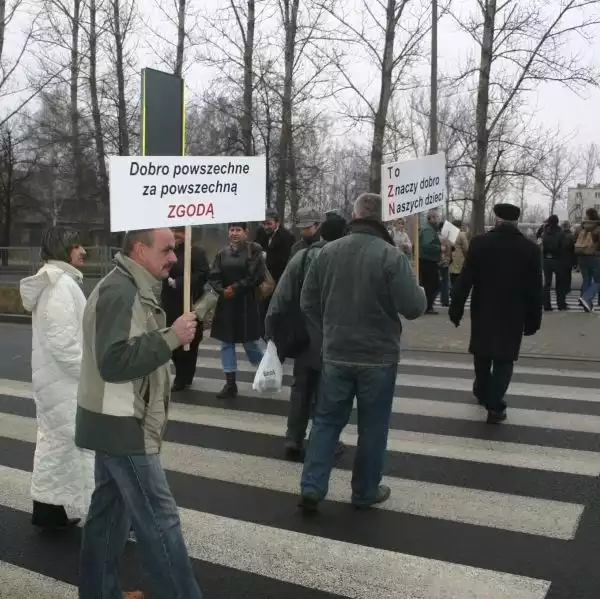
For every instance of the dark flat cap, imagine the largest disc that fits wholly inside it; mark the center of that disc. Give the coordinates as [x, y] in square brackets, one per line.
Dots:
[508, 212]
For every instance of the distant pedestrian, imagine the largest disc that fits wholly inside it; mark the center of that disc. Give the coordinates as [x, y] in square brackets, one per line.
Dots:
[63, 474]
[276, 241]
[587, 248]
[308, 221]
[123, 402]
[554, 249]
[503, 274]
[401, 237]
[461, 245]
[430, 255]
[236, 274]
[568, 258]
[172, 300]
[353, 296]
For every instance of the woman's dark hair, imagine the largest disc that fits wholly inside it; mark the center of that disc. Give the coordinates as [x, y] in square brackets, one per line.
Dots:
[57, 243]
[240, 225]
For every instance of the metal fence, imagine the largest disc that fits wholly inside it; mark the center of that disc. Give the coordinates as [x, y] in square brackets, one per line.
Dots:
[24, 261]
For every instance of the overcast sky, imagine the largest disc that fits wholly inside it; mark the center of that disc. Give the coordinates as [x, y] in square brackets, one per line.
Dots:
[553, 105]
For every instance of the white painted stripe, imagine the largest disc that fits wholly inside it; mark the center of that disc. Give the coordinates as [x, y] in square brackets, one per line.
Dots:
[418, 407]
[537, 457]
[461, 384]
[470, 506]
[20, 583]
[327, 565]
[209, 349]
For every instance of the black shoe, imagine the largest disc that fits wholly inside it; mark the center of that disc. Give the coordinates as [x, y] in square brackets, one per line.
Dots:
[67, 525]
[496, 417]
[340, 448]
[383, 494]
[177, 386]
[431, 311]
[309, 503]
[564, 308]
[548, 309]
[230, 390]
[294, 452]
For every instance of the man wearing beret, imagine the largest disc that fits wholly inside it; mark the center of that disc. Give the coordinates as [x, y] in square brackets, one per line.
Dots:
[503, 271]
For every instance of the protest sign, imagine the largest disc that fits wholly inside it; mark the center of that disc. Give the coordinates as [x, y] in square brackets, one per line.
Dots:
[148, 192]
[414, 186]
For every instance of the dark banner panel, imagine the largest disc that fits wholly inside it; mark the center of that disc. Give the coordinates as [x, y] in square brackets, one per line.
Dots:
[163, 114]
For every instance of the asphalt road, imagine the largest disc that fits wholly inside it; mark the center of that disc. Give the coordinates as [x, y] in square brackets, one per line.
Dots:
[477, 512]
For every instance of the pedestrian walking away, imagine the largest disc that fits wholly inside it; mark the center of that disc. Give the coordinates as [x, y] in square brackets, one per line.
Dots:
[123, 402]
[554, 251]
[430, 255]
[353, 296]
[285, 325]
[503, 272]
[63, 474]
[587, 248]
[172, 301]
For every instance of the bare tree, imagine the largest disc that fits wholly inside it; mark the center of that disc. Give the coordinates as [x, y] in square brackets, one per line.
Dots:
[555, 173]
[521, 43]
[590, 160]
[379, 31]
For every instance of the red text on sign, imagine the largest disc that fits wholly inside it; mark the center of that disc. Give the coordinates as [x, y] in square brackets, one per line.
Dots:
[183, 210]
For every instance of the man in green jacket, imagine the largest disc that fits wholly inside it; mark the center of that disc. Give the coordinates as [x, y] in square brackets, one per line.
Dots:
[430, 254]
[123, 401]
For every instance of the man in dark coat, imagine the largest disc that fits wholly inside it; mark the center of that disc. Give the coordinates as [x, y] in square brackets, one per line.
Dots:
[172, 301]
[504, 271]
[276, 241]
[308, 222]
[553, 248]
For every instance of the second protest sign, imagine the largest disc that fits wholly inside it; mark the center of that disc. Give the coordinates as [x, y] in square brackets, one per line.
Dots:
[148, 192]
[414, 186]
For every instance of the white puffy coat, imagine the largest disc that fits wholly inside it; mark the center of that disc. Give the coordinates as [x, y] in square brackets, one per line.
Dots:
[62, 473]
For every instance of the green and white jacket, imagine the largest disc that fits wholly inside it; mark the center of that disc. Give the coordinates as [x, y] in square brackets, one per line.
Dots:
[125, 384]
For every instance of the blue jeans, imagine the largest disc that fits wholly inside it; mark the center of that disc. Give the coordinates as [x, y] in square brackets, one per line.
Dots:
[229, 360]
[134, 490]
[590, 271]
[374, 388]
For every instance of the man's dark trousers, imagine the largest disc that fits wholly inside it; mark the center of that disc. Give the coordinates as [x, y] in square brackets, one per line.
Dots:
[492, 378]
[185, 361]
[554, 268]
[302, 399]
[429, 275]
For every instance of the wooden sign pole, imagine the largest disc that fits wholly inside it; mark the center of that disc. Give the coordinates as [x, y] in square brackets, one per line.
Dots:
[187, 244]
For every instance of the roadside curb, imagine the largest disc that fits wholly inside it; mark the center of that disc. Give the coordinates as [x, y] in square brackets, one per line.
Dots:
[528, 356]
[15, 318]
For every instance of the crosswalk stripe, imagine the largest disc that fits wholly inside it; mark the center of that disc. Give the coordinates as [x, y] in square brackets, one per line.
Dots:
[537, 457]
[210, 346]
[19, 582]
[433, 382]
[218, 487]
[353, 570]
[498, 510]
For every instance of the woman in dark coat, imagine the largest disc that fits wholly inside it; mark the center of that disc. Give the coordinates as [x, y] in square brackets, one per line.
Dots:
[237, 271]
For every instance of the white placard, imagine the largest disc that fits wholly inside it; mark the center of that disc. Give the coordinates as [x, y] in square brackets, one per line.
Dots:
[150, 192]
[414, 186]
[450, 231]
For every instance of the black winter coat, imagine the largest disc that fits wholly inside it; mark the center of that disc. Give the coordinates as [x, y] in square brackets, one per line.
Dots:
[172, 299]
[277, 247]
[504, 271]
[238, 319]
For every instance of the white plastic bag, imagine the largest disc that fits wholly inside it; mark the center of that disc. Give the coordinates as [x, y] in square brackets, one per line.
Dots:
[269, 375]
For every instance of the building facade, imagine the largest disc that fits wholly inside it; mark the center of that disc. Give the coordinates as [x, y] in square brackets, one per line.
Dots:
[581, 198]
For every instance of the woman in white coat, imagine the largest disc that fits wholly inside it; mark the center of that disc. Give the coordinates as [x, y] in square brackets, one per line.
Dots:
[63, 475]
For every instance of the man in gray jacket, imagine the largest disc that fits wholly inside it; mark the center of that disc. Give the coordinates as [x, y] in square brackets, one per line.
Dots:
[354, 294]
[285, 325]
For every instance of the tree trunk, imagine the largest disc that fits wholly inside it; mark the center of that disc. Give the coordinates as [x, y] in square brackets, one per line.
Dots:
[120, 72]
[8, 168]
[75, 116]
[294, 199]
[481, 119]
[97, 120]
[2, 25]
[433, 109]
[246, 123]
[180, 38]
[385, 95]
[290, 24]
